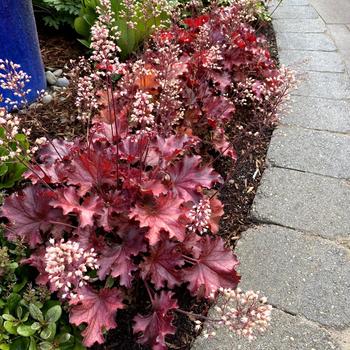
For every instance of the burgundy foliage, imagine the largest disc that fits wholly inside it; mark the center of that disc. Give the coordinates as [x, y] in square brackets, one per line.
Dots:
[129, 198]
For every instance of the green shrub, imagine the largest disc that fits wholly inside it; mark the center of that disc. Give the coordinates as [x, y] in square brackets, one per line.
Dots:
[29, 318]
[131, 36]
[12, 167]
[56, 13]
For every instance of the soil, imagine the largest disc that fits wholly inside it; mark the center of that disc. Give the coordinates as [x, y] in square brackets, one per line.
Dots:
[250, 140]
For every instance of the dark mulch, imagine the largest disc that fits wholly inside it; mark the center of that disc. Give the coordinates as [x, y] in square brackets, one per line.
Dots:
[251, 143]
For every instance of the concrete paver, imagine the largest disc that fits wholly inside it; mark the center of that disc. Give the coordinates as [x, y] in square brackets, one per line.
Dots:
[319, 61]
[301, 274]
[319, 152]
[312, 203]
[326, 85]
[315, 25]
[318, 113]
[305, 41]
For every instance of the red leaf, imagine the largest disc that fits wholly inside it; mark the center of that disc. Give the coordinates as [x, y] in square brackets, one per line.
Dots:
[162, 263]
[186, 176]
[117, 260]
[37, 260]
[196, 22]
[217, 211]
[92, 168]
[222, 145]
[219, 107]
[161, 213]
[30, 215]
[69, 201]
[215, 268]
[158, 324]
[170, 148]
[54, 150]
[97, 310]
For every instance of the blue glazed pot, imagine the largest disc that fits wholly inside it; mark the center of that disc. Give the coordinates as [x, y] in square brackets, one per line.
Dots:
[19, 43]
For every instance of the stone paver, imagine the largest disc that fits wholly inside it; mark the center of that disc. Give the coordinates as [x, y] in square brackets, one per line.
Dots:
[274, 3]
[319, 61]
[341, 35]
[326, 85]
[299, 26]
[299, 273]
[318, 113]
[294, 12]
[287, 332]
[303, 201]
[305, 41]
[333, 11]
[319, 152]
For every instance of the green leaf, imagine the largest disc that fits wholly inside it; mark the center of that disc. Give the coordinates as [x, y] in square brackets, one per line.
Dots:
[25, 331]
[53, 314]
[48, 332]
[86, 43]
[20, 344]
[8, 317]
[36, 313]
[12, 301]
[64, 338]
[3, 169]
[32, 345]
[19, 286]
[10, 327]
[4, 347]
[35, 326]
[45, 346]
[19, 312]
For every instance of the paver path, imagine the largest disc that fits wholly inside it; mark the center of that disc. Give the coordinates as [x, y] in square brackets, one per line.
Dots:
[299, 253]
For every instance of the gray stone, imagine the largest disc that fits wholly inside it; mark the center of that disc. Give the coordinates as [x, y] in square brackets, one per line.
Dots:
[58, 72]
[50, 77]
[305, 41]
[47, 99]
[275, 3]
[298, 273]
[311, 203]
[319, 113]
[336, 11]
[341, 35]
[286, 332]
[295, 12]
[62, 82]
[319, 152]
[326, 85]
[312, 60]
[299, 25]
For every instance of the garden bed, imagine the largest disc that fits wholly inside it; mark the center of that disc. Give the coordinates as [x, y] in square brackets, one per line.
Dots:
[250, 141]
[235, 146]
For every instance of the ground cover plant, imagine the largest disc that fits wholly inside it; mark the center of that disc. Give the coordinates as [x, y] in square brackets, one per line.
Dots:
[134, 204]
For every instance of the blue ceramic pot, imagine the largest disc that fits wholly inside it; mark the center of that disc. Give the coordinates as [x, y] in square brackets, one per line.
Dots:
[19, 43]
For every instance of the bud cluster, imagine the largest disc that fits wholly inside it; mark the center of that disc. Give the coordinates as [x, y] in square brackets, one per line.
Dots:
[14, 79]
[200, 216]
[67, 265]
[243, 313]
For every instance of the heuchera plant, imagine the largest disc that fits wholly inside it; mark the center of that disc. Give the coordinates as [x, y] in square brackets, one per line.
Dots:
[122, 207]
[193, 77]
